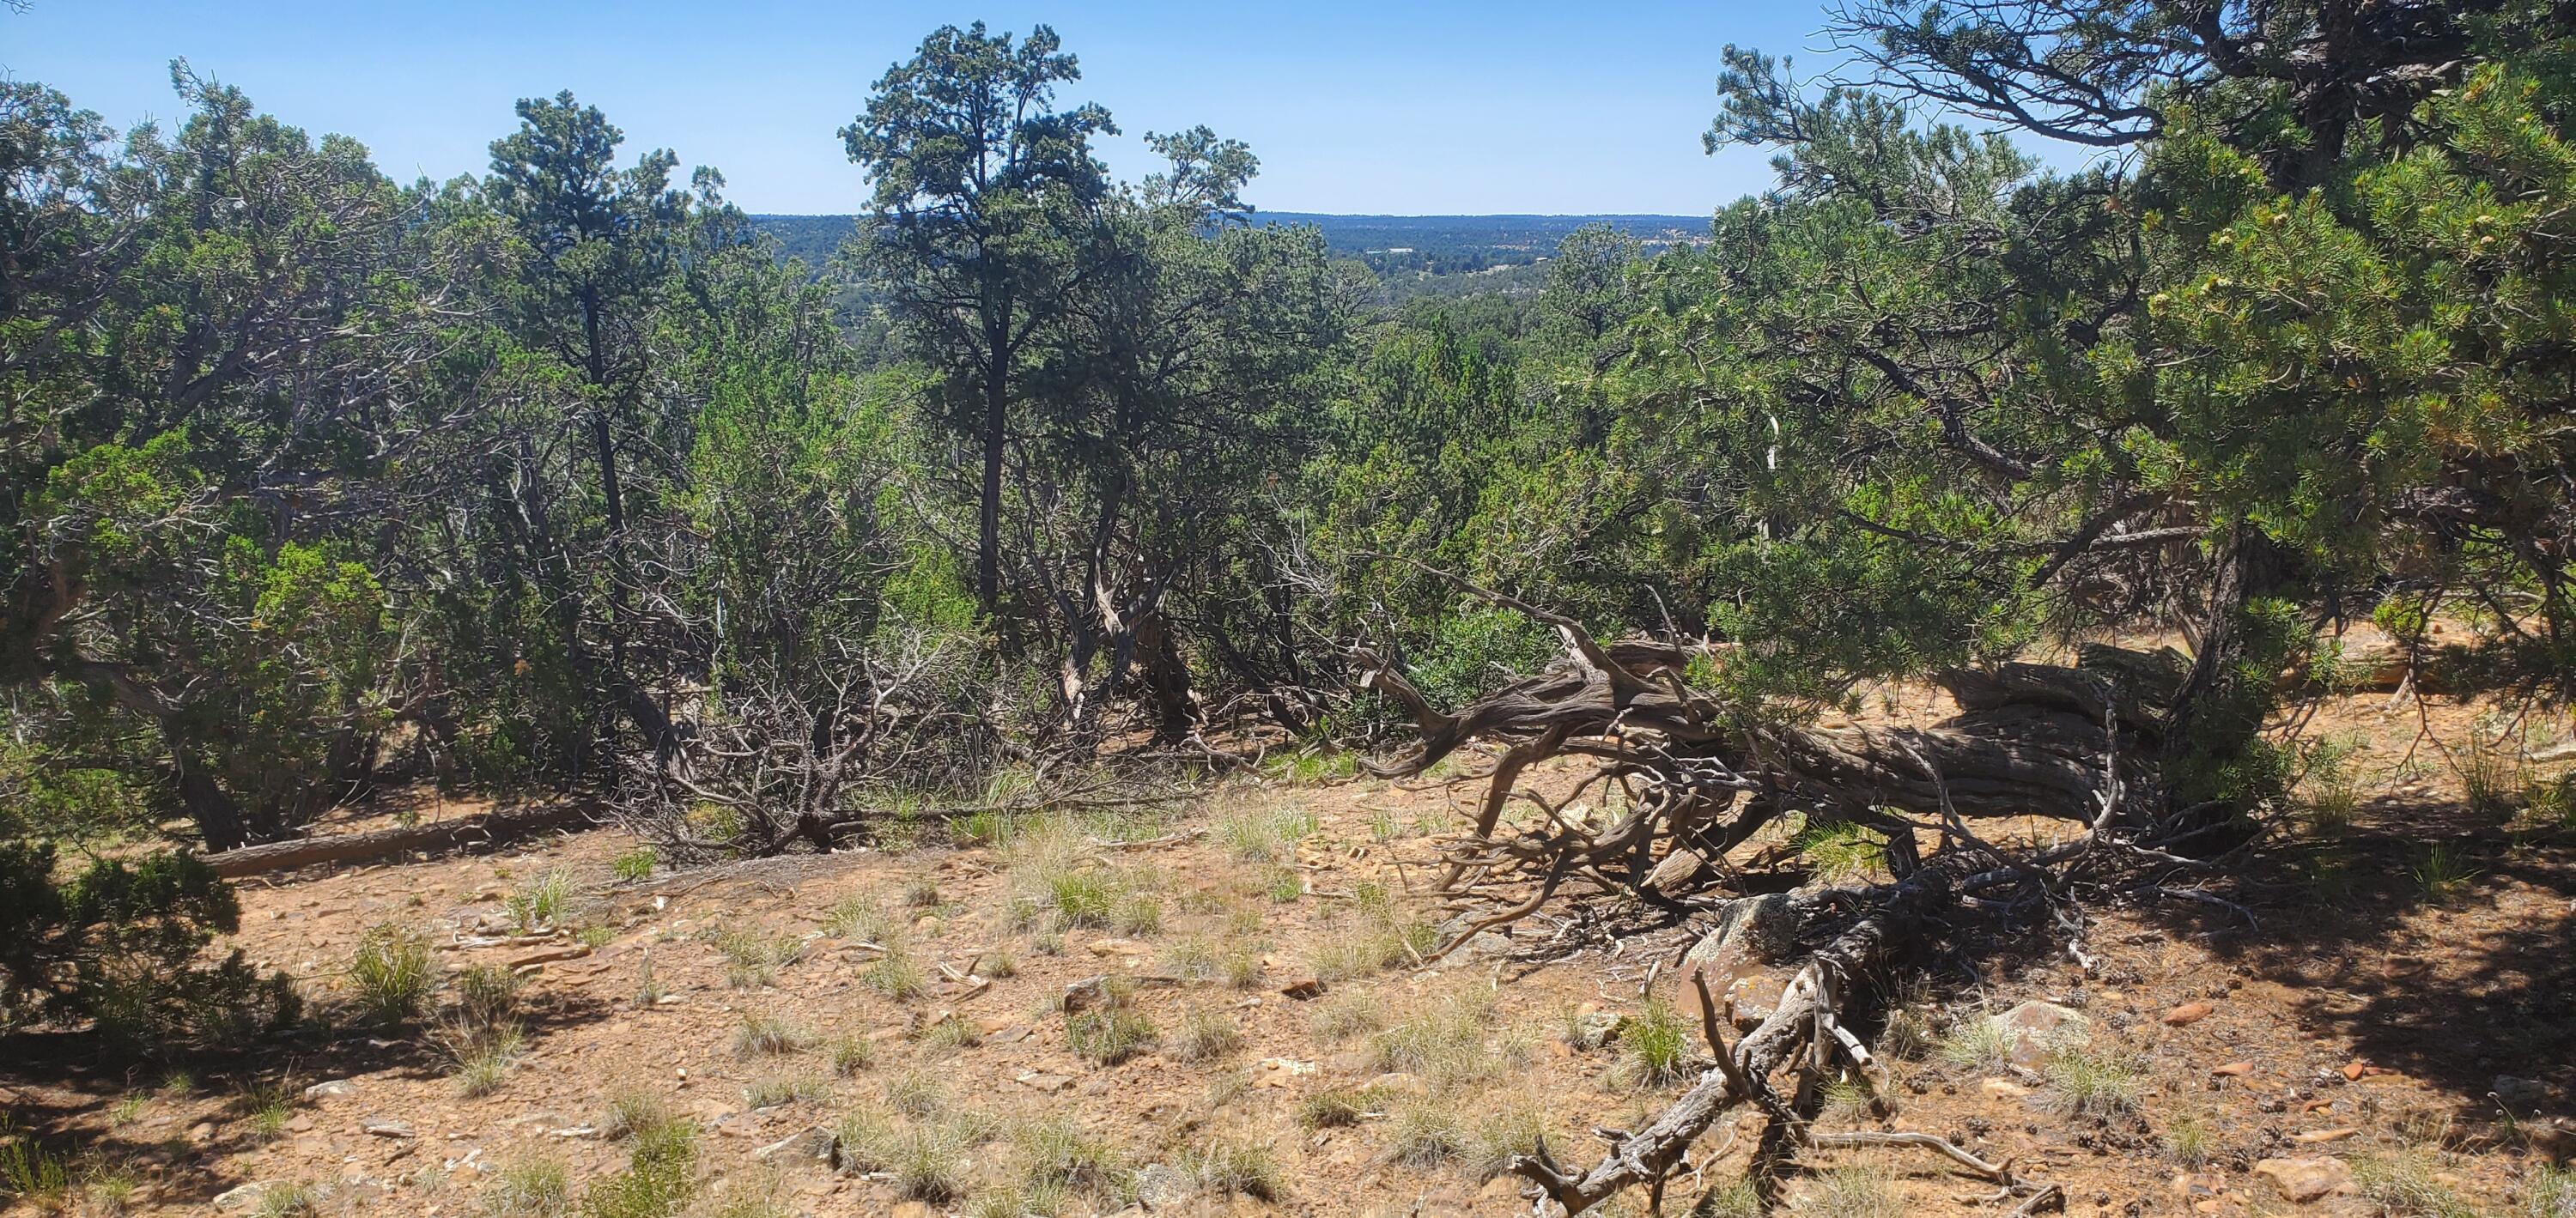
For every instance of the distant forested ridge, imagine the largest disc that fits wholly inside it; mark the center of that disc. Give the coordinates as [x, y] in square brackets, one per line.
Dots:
[1441, 245]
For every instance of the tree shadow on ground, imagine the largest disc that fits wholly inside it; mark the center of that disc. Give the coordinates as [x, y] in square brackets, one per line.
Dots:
[2438, 947]
[58, 1082]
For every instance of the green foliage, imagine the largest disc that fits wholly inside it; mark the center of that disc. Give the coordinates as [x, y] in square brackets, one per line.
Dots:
[393, 971]
[118, 944]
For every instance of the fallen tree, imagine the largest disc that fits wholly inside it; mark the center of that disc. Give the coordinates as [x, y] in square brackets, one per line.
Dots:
[1700, 774]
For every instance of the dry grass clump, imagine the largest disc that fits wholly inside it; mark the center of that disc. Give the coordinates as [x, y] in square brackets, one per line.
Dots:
[2189, 1141]
[635, 1113]
[917, 1093]
[762, 1035]
[753, 958]
[896, 974]
[1336, 1107]
[2549, 1193]
[479, 1059]
[850, 1055]
[1229, 1166]
[2092, 1084]
[1446, 1042]
[861, 916]
[1655, 1046]
[1110, 1034]
[2405, 1184]
[1058, 1153]
[1348, 1013]
[1857, 1191]
[1978, 1042]
[528, 1188]
[1498, 1135]
[951, 1035]
[778, 1090]
[1206, 1034]
[1266, 834]
[1424, 1131]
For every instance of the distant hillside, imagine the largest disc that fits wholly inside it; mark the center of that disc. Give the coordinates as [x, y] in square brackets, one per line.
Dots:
[1438, 244]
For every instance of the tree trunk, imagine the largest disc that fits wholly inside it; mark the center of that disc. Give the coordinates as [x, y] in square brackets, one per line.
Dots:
[988, 524]
[1167, 679]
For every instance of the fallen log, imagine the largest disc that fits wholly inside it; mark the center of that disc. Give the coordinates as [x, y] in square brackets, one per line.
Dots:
[478, 830]
[1652, 1153]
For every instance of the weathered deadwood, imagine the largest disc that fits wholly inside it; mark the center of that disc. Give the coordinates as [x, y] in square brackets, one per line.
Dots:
[387, 843]
[1653, 1152]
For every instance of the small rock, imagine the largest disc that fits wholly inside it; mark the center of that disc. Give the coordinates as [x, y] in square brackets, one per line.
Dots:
[1489, 945]
[337, 1086]
[2198, 1184]
[1593, 1029]
[1040, 1080]
[202, 1132]
[1117, 947]
[2300, 1181]
[1279, 1071]
[2036, 1029]
[2004, 1089]
[2187, 1014]
[2231, 1070]
[2353, 1071]
[2316, 1136]
[302, 1122]
[2521, 1094]
[1303, 988]
[386, 1127]
[1160, 1187]
[247, 1196]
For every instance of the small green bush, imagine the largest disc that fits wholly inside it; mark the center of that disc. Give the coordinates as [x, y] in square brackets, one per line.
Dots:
[392, 971]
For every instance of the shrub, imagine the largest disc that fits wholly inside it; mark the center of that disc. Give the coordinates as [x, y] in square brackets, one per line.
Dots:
[635, 864]
[119, 943]
[660, 1175]
[393, 972]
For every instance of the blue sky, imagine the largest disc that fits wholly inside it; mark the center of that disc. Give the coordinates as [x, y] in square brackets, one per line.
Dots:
[1352, 107]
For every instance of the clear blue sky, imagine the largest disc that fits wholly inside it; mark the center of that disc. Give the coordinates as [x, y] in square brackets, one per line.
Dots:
[1352, 107]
